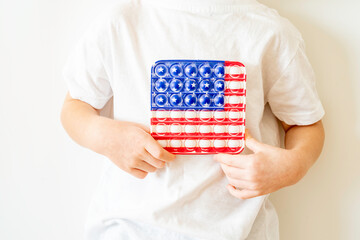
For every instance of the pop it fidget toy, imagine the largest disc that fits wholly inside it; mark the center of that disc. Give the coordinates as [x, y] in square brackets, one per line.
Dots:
[198, 107]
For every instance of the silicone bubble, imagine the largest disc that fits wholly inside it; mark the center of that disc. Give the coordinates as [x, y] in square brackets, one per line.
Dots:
[190, 143]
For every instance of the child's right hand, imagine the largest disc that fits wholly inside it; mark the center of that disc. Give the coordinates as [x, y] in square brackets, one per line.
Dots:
[131, 147]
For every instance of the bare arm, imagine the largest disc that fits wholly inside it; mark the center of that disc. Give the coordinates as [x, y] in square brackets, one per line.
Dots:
[306, 142]
[128, 145]
[79, 120]
[270, 168]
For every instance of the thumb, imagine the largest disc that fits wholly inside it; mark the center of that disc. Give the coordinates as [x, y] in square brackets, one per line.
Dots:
[252, 143]
[135, 124]
[142, 126]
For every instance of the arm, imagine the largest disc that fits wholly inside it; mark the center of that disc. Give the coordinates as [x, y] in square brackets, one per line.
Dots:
[306, 142]
[270, 168]
[128, 145]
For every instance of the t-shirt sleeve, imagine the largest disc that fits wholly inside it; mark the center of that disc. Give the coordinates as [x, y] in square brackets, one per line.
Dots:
[293, 97]
[86, 72]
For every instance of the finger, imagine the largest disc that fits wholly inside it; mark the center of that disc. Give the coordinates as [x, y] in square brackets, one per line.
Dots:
[139, 125]
[233, 172]
[157, 151]
[144, 166]
[143, 127]
[252, 143]
[242, 194]
[138, 173]
[153, 161]
[239, 161]
[240, 184]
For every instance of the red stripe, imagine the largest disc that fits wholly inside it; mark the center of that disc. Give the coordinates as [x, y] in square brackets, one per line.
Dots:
[196, 121]
[203, 151]
[235, 92]
[228, 78]
[233, 63]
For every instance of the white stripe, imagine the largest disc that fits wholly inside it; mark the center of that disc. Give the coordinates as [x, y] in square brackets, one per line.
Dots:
[233, 114]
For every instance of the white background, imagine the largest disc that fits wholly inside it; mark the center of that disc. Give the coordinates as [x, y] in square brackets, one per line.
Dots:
[46, 180]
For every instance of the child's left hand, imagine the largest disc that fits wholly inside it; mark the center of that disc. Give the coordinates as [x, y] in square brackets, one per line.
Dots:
[265, 171]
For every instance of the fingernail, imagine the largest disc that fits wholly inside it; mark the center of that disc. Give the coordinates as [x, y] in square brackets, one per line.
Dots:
[246, 133]
[229, 187]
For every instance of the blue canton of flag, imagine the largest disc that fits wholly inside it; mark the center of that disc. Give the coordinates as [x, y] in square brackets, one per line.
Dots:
[174, 90]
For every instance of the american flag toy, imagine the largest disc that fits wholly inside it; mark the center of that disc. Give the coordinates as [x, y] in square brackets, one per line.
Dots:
[198, 107]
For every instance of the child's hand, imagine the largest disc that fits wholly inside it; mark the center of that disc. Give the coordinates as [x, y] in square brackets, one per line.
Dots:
[132, 148]
[265, 171]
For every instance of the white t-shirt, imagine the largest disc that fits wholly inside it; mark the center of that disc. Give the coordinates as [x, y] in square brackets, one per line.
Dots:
[187, 199]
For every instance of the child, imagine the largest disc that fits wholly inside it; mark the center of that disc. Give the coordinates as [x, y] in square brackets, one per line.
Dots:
[147, 193]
